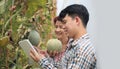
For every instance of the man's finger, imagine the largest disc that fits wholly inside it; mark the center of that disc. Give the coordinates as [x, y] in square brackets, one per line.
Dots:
[32, 55]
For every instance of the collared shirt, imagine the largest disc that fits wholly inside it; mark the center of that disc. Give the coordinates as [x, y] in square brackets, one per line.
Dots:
[80, 54]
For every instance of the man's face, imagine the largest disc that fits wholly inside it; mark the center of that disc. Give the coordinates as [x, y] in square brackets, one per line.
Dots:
[69, 26]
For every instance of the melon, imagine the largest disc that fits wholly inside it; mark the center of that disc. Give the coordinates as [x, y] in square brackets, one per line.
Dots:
[34, 37]
[4, 41]
[54, 45]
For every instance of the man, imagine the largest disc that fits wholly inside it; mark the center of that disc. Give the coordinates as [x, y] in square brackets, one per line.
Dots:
[80, 53]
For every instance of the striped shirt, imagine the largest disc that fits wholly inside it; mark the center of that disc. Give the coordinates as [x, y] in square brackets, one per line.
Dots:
[80, 54]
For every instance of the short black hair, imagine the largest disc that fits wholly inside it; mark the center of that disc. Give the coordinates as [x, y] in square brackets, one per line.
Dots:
[76, 10]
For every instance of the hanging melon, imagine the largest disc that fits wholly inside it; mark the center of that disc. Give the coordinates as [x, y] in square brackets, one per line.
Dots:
[34, 37]
[4, 41]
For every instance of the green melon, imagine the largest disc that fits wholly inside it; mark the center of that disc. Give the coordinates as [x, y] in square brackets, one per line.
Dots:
[34, 37]
[54, 45]
[4, 41]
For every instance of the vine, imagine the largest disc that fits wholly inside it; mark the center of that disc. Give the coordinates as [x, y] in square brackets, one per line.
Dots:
[17, 18]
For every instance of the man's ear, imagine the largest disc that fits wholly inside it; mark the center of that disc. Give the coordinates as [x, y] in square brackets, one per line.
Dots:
[78, 20]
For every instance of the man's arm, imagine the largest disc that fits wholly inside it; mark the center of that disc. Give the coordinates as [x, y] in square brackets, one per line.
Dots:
[45, 63]
[42, 60]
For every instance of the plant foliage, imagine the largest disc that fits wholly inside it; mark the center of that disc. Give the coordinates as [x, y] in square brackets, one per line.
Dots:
[17, 18]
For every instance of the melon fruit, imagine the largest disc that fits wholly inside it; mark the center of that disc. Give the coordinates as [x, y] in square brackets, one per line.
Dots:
[34, 37]
[54, 45]
[4, 41]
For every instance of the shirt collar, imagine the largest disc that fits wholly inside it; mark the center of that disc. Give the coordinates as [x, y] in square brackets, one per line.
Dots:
[73, 43]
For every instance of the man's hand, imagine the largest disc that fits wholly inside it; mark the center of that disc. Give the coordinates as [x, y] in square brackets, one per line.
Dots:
[37, 56]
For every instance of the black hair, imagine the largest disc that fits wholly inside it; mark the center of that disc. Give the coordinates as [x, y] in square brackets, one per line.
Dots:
[76, 10]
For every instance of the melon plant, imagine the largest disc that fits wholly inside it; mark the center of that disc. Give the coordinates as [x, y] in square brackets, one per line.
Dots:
[2, 6]
[34, 37]
[54, 45]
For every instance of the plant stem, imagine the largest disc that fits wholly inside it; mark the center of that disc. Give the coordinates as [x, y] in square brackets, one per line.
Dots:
[12, 17]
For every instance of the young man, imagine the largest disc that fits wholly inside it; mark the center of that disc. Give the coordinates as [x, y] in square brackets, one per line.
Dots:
[80, 53]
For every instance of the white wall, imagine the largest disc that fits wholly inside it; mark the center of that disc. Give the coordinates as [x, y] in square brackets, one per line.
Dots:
[63, 3]
[103, 26]
[108, 34]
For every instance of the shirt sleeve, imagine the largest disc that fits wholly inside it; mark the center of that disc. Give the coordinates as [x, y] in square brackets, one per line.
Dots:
[47, 63]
